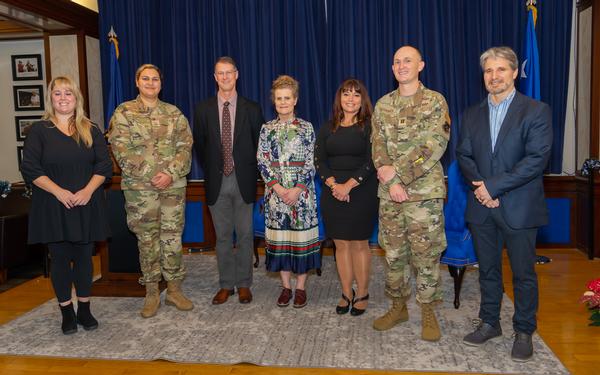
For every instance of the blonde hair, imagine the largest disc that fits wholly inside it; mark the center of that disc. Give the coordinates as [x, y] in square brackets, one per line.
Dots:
[79, 124]
[285, 82]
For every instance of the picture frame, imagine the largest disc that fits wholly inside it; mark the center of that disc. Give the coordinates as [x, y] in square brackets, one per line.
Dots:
[29, 98]
[22, 124]
[19, 155]
[26, 67]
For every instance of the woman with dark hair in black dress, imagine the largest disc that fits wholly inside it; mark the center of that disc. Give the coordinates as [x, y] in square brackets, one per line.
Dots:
[349, 207]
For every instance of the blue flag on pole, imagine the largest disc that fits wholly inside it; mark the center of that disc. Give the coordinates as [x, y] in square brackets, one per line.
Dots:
[530, 67]
[115, 92]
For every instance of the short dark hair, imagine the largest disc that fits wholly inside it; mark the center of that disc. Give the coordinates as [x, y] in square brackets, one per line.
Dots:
[226, 60]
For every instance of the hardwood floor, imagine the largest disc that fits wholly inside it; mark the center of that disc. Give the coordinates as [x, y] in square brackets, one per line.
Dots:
[563, 324]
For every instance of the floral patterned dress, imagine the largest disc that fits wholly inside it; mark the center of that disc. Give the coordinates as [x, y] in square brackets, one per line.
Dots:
[285, 156]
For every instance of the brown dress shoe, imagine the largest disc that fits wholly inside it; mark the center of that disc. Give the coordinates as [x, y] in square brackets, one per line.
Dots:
[222, 296]
[284, 297]
[299, 298]
[244, 294]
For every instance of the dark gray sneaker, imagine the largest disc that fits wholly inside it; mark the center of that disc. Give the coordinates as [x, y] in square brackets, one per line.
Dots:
[483, 333]
[522, 349]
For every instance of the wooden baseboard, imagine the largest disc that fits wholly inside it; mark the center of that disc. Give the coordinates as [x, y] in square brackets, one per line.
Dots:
[120, 288]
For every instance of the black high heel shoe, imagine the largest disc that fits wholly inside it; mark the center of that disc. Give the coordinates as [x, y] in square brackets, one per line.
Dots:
[355, 311]
[341, 310]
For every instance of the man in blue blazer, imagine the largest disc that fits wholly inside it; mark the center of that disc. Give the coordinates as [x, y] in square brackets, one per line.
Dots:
[503, 149]
[226, 131]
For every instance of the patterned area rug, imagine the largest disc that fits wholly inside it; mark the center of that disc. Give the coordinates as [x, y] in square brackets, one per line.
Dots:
[264, 334]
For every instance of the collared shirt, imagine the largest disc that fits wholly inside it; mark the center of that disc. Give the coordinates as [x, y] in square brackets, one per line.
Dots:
[497, 115]
[232, 107]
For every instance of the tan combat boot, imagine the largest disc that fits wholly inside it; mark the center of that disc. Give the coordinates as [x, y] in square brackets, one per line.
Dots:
[430, 330]
[152, 300]
[176, 298]
[398, 313]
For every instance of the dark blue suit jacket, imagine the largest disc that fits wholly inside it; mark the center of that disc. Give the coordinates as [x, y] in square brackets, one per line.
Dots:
[514, 171]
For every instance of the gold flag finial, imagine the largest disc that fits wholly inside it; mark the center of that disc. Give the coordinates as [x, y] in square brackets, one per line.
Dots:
[531, 6]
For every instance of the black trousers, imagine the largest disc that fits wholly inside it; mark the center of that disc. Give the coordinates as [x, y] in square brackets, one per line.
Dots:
[71, 264]
[488, 239]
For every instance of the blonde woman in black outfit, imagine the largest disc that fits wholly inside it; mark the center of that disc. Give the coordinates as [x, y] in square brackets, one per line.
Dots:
[350, 205]
[66, 159]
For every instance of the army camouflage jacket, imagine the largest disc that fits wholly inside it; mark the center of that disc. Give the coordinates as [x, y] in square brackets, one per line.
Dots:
[146, 141]
[411, 134]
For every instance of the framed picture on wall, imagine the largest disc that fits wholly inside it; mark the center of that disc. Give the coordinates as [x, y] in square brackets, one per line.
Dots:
[22, 124]
[26, 67]
[19, 155]
[29, 98]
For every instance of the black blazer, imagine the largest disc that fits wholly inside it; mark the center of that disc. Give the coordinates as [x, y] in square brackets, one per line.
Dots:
[207, 143]
[514, 171]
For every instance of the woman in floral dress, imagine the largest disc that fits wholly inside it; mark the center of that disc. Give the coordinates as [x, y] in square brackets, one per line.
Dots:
[285, 161]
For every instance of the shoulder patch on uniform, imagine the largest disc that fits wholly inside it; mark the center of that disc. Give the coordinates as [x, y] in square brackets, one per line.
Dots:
[448, 123]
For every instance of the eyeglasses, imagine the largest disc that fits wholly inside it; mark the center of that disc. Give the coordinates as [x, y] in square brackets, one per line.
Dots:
[225, 74]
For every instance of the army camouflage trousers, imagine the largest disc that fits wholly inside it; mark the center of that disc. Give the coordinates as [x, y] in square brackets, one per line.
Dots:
[157, 219]
[412, 236]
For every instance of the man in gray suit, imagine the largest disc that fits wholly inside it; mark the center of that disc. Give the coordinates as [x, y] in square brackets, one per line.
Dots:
[226, 130]
[503, 148]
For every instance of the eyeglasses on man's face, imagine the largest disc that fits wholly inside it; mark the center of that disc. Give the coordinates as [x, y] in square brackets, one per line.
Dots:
[227, 73]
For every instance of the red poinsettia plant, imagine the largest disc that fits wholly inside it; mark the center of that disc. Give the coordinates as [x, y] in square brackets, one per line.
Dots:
[592, 299]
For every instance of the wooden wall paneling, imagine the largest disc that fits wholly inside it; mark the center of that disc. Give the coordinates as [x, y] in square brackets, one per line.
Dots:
[115, 284]
[563, 187]
[83, 72]
[588, 235]
[64, 11]
[593, 236]
[47, 63]
[584, 234]
[595, 94]
[125, 284]
[119, 284]
[595, 217]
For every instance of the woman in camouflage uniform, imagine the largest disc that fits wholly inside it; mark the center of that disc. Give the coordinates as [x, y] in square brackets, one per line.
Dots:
[151, 141]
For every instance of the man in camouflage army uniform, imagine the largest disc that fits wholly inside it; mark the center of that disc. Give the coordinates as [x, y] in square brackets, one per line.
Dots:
[410, 134]
[151, 141]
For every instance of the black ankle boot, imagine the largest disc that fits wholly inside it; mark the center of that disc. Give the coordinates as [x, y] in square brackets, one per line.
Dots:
[69, 320]
[85, 317]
